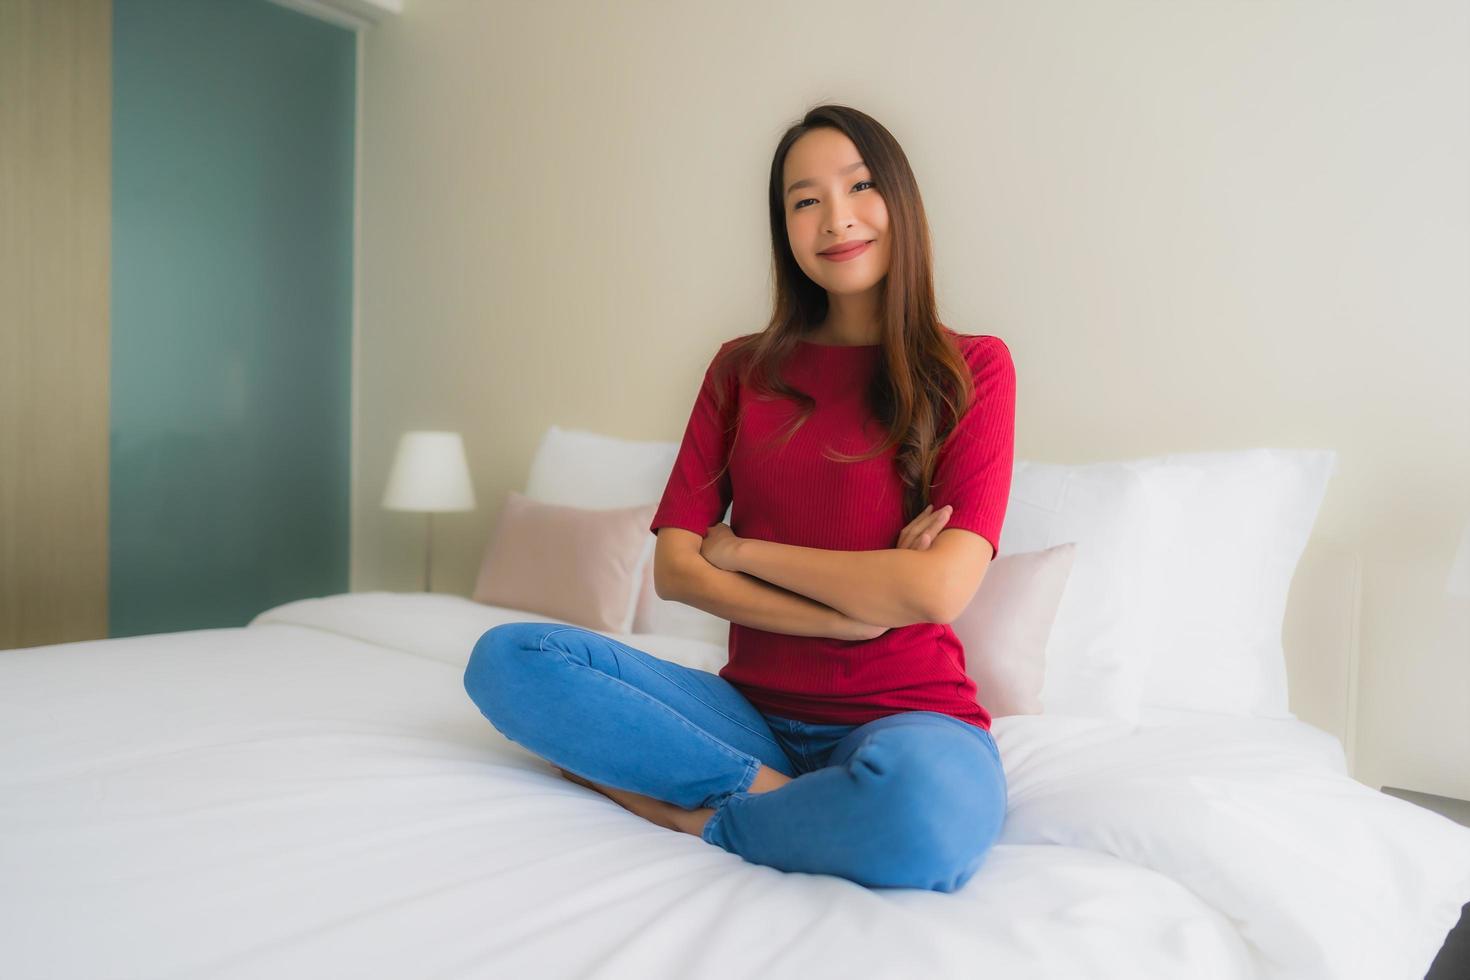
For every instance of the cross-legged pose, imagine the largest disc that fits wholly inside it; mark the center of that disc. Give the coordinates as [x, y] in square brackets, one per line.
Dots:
[864, 452]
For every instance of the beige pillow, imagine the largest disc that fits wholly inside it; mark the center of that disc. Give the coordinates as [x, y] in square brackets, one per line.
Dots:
[1006, 627]
[583, 567]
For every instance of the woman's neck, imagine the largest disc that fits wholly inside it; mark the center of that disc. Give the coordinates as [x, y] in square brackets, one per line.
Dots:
[852, 321]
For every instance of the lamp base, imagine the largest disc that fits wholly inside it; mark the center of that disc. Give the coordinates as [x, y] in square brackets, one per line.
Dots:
[429, 553]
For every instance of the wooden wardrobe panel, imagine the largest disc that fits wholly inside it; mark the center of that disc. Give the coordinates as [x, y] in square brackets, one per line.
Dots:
[55, 229]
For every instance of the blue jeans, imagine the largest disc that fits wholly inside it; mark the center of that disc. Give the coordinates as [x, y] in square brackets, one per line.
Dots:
[911, 800]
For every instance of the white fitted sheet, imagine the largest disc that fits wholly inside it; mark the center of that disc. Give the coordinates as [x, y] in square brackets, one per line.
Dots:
[315, 795]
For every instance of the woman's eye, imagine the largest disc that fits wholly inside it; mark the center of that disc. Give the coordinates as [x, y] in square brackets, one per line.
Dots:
[798, 204]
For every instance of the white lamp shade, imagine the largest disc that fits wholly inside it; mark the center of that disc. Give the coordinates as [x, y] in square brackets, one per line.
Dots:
[430, 473]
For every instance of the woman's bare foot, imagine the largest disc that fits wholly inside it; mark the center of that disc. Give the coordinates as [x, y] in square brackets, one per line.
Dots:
[768, 779]
[661, 812]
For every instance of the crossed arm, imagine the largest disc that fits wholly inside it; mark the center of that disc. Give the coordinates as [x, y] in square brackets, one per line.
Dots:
[851, 595]
[889, 587]
[886, 588]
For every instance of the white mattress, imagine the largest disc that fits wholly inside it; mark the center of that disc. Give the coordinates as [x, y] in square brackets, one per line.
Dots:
[315, 795]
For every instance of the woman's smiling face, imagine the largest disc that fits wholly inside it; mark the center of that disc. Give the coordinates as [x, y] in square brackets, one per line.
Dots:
[836, 202]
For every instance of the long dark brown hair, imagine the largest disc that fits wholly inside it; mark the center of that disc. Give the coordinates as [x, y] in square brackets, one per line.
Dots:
[924, 383]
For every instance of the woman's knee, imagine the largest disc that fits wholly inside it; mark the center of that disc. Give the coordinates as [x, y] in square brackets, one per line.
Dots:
[932, 811]
[501, 659]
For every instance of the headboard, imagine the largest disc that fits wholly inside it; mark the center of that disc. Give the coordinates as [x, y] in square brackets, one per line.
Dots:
[1320, 637]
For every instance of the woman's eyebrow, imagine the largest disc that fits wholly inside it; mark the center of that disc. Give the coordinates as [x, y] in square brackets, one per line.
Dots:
[809, 181]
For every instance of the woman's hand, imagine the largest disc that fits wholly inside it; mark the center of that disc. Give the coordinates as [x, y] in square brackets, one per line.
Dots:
[718, 547]
[918, 535]
[922, 530]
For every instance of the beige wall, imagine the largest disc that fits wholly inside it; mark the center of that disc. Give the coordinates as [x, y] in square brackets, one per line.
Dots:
[1204, 226]
[55, 241]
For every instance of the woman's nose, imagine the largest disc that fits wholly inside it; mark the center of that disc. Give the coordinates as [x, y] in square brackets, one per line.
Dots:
[839, 219]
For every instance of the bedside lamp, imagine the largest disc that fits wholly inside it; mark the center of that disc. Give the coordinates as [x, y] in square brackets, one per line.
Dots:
[430, 474]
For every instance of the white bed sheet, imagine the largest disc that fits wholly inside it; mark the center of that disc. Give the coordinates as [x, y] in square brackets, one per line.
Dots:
[315, 795]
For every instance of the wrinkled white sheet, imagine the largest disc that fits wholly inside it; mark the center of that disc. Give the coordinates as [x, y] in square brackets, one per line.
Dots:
[315, 795]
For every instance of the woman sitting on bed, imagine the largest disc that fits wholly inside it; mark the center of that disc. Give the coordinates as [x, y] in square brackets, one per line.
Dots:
[867, 450]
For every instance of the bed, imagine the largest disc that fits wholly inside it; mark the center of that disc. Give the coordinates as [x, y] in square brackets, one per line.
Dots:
[313, 795]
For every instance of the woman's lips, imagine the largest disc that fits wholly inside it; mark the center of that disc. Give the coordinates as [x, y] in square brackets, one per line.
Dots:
[845, 254]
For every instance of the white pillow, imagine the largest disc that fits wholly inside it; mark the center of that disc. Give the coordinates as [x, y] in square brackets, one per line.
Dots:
[596, 472]
[1096, 655]
[1228, 529]
[577, 468]
[663, 616]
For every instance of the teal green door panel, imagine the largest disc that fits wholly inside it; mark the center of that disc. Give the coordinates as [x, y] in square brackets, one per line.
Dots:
[231, 320]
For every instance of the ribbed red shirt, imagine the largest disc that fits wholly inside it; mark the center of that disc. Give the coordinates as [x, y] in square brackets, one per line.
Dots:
[795, 495]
